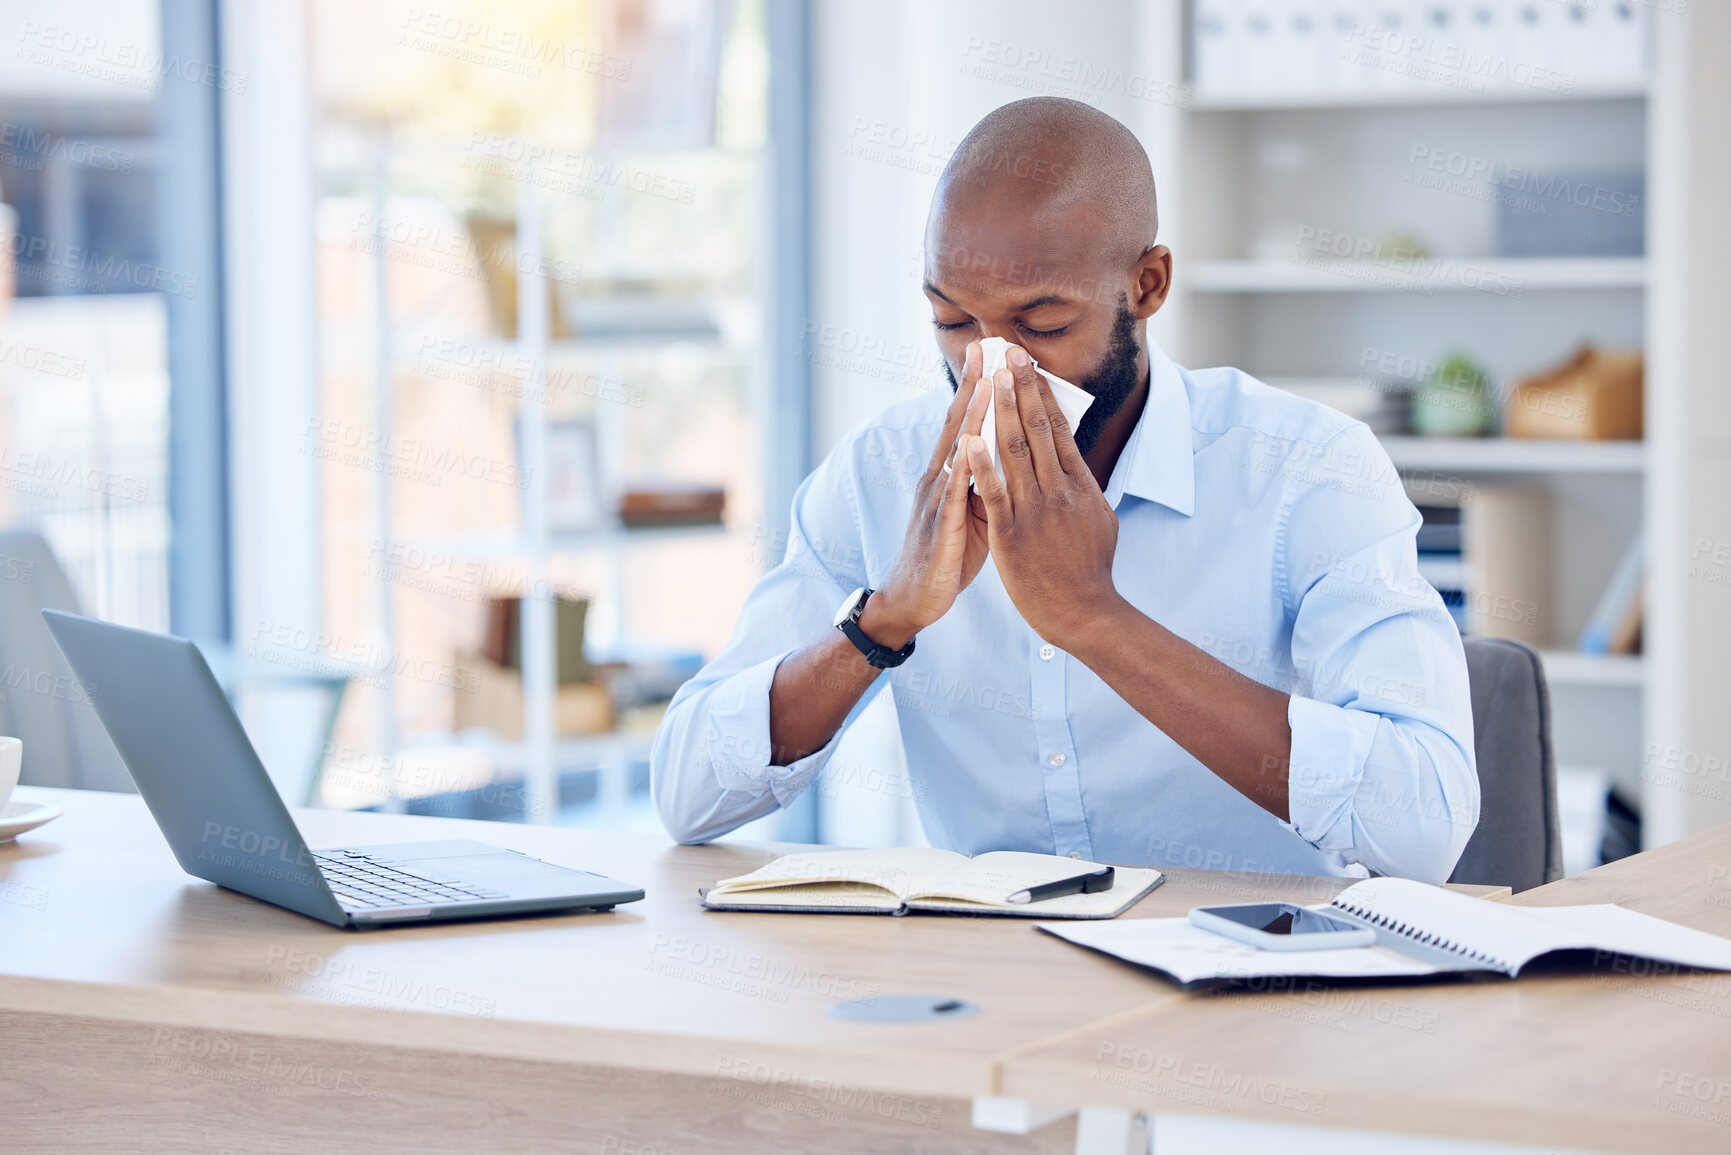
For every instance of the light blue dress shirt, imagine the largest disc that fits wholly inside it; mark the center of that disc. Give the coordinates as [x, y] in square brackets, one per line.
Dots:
[1270, 531]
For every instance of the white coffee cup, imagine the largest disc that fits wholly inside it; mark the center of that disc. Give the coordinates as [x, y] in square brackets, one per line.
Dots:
[11, 762]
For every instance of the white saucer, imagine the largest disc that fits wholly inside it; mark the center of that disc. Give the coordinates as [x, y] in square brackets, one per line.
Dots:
[17, 817]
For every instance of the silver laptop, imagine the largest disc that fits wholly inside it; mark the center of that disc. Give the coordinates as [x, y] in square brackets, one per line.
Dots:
[208, 791]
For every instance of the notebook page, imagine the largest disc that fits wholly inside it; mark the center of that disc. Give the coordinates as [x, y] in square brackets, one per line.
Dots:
[899, 871]
[991, 878]
[815, 895]
[1617, 928]
[1131, 885]
[1474, 928]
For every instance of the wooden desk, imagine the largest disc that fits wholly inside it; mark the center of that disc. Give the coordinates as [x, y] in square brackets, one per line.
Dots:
[142, 1009]
[1618, 1059]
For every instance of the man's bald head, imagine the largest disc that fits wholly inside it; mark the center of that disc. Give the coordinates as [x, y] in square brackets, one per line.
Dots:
[1042, 232]
[1047, 157]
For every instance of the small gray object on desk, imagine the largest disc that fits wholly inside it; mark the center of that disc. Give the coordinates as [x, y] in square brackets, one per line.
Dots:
[904, 1009]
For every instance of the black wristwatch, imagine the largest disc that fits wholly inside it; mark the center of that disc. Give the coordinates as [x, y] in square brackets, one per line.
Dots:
[847, 621]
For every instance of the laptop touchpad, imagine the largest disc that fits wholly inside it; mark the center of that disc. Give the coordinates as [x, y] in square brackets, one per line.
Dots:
[497, 867]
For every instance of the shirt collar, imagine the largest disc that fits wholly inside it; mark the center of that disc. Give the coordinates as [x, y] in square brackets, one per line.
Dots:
[1158, 462]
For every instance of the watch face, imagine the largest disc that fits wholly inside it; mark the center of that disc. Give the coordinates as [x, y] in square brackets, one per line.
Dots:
[847, 607]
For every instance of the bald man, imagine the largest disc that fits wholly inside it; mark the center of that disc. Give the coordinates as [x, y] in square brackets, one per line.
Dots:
[1191, 631]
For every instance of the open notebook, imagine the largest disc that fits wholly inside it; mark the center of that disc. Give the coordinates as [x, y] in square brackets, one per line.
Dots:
[925, 880]
[1420, 930]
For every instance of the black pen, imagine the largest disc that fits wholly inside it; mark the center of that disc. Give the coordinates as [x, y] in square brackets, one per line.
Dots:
[1091, 883]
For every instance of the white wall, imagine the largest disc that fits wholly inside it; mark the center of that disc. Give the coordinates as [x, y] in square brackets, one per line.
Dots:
[272, 350]
[896, 85]
[1688, 628]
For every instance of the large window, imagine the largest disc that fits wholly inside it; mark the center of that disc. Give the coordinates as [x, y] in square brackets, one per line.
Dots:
[83, 329]
[470, 454]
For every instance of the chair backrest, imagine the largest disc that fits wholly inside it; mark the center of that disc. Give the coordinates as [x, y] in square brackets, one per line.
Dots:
[1518, 842]
[41, 702]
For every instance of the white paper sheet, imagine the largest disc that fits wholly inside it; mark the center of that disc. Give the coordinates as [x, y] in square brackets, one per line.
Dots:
[1189, 954]
[1503, 936]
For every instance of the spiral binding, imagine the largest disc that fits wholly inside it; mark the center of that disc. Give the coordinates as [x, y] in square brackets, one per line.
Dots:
[1422, 937]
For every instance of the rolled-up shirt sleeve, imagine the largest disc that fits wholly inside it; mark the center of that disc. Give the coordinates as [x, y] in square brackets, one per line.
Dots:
[1382, 775]
[711, 769]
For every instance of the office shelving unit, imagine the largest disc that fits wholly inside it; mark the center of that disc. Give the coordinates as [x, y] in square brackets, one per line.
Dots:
[703, 321]
[1257, 177]
[1515, 456]
[1420, 98]
[1531, 274]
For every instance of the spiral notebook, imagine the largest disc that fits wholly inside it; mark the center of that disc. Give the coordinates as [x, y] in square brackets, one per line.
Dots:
[1420, 930]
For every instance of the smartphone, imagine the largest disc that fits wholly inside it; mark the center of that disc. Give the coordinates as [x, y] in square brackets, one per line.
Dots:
[1281, 926]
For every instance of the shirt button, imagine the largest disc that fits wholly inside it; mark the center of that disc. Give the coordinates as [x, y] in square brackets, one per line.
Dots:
[1076, 854]
[1047, 652]
[1057, 758]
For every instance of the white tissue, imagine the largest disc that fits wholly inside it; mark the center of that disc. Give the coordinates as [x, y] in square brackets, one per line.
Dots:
[1072, 401]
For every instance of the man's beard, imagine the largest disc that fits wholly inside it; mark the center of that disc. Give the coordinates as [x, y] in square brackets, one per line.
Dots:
[1111, 384]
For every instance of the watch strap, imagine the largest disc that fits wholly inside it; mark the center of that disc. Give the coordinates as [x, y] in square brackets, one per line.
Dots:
[875, 653]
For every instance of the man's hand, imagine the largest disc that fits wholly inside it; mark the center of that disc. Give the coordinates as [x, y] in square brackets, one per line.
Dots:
[945, 544]
[1050, 529]
[1053, 537]
[816, 686]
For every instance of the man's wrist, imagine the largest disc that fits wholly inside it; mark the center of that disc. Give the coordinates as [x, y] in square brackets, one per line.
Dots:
[884, 624]
[1106, 627]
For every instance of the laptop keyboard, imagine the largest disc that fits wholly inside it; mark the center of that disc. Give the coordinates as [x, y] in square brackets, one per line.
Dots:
[360, 881]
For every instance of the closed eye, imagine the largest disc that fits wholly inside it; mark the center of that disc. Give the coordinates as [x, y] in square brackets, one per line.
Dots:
[1033, 332]
[948, 326]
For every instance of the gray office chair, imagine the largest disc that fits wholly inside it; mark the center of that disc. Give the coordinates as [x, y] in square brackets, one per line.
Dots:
[40, 701]
[1518, 842]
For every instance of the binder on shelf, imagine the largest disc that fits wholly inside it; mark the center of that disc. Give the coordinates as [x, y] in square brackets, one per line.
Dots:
[1297, 55]
[1480, 34]
[1441, 529]
[1441, 561]
[1616, 619]
[1572, 39]
[1507, 540]
[1616, 53]
[1626, 638]
[1389, 42]
[1445, 571]
[1338, 43]
[1528, 45]
[1449, 576]
[1258, 44]
[1437, 61]
[1216, 63]
[1243, 51]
